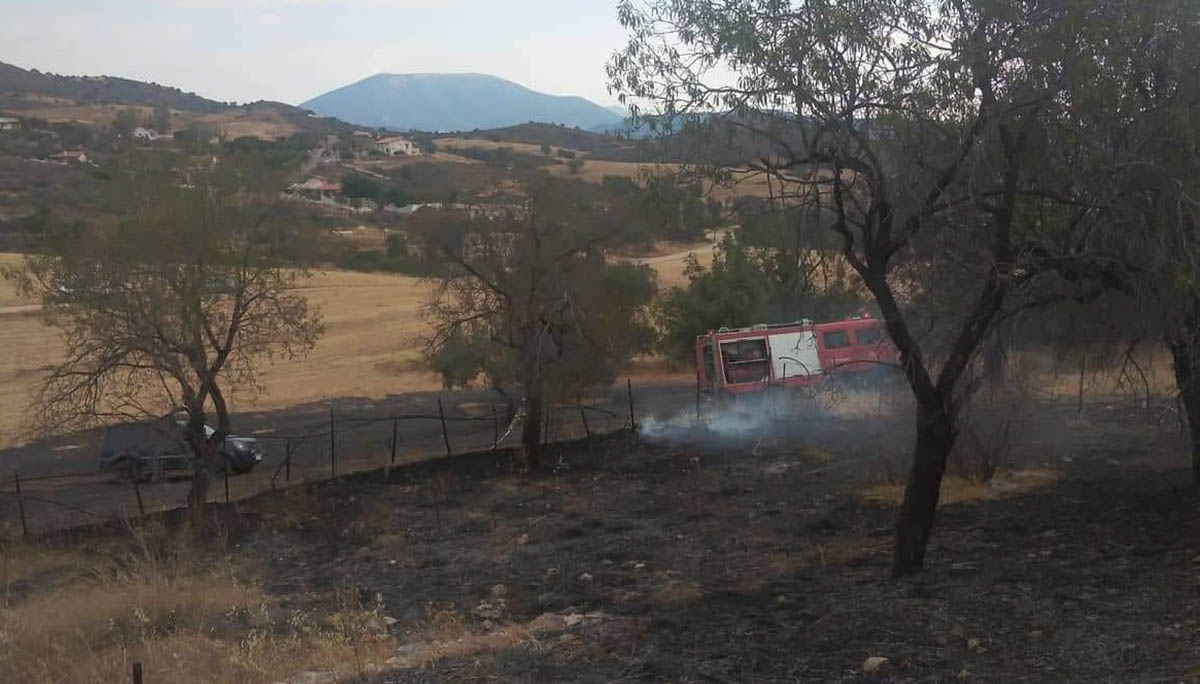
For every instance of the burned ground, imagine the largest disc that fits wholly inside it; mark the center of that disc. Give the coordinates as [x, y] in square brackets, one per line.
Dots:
[620, 561]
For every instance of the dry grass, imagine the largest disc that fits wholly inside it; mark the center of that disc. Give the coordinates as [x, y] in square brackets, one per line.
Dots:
[76, 616]
[485, 144]
[960, 490]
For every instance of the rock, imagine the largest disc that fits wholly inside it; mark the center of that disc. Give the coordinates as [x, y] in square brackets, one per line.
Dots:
[872, 664]
[586, 577]
[389, 621]
[499, 590]
[974, 645]
[963, 675]
[639, 565]
[606, 562]
[522, 540]
[551, 572]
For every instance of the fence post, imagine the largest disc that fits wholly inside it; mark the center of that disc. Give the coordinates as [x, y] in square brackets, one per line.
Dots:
[332, 446]
[632, 420]
[495, 428]
[1082, 367]
[394, 421]
[137, 491]
[21, 505]
[137, 673]
[287, 461]
[226, 483]
[445, 435]
[583, 415]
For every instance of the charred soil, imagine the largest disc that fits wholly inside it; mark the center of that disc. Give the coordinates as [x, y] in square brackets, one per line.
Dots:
[620, 561]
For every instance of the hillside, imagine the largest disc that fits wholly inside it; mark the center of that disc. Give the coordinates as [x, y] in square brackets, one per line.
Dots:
[97, 100]
[453, 102]
[26, 89]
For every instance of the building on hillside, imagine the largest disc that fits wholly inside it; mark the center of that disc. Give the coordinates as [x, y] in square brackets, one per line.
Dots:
[317, 189]
[148, 134]
[397, 147]
[9, 124]
[363, 135]
[70, 157]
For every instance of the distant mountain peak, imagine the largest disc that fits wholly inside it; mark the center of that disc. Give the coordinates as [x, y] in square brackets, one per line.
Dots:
[453, 102]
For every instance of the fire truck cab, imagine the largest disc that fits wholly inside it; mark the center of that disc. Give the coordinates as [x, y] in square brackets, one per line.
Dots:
[747, 360]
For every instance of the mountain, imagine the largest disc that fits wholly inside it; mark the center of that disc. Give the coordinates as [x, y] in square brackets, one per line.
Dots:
[453, 102]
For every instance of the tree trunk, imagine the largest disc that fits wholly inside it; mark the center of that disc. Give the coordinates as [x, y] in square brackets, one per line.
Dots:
[198, 498]
[936, 433]
[1187, 381]
[531, 431]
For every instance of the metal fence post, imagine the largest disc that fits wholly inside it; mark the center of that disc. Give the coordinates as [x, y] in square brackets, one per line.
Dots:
[332, 446]
[21, 505]
[495, 428]
[287, 460]
[445, 435]
[583, 415]
[226, 484]
[137, 673]
[632, 420]
[137, 491]
[394, 421]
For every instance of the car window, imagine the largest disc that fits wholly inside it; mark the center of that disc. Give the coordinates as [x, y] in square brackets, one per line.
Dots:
[868, 337]
[838, 339]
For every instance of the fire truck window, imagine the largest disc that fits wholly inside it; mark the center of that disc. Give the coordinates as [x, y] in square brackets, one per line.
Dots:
[838, 339]
[868, 337]
[745, 361]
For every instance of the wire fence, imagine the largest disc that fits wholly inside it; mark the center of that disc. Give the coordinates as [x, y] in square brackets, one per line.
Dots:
[353, 437]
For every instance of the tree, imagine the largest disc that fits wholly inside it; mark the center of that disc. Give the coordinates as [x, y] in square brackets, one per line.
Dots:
[125, 121]
[574, 164]
[530, 303]
[923, 128]
[160, 119]
[361, 186]
[1142, 121]
[175, 307]
[546, 151]
[754, 279]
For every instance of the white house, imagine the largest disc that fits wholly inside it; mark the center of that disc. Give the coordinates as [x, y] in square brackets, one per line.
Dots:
[397, 147]
[9, 124]
[140, 133]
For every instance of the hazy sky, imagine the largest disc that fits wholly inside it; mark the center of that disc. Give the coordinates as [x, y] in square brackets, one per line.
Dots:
[292, 50]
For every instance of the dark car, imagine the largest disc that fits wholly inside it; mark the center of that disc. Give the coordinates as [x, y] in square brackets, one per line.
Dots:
[148, 450]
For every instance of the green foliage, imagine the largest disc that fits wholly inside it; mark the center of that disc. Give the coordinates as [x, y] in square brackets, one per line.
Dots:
[125, 121]
[546, 149]
[575, 164]
[745, 285]
[361, 186]
[531, 303]
[160, 119]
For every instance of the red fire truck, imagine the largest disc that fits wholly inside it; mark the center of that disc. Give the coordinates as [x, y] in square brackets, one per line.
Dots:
[802, 354]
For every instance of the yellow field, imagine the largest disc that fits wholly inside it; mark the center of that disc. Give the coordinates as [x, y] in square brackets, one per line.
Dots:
[485, 144]
[371, 347]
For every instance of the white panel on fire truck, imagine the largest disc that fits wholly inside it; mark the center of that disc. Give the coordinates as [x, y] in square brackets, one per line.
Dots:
[794, 354]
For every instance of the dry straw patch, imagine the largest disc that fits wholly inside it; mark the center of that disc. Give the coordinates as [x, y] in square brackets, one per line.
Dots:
[69, 616]
[961, 490]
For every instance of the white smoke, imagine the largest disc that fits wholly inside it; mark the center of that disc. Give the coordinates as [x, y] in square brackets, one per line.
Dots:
[724, 425]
